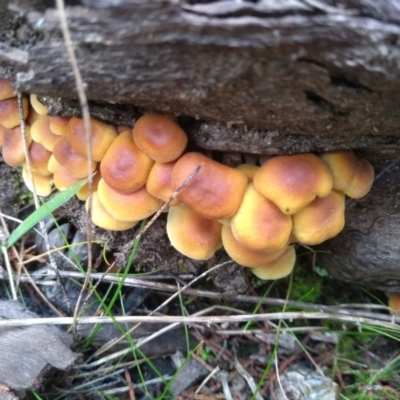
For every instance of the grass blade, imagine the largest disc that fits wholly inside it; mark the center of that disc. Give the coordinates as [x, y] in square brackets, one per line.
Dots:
[43, 211]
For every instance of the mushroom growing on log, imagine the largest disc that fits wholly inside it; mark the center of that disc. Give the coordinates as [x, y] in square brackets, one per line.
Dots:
[241, 77]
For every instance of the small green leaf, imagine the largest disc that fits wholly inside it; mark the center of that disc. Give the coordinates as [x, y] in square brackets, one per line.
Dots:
[43, 211]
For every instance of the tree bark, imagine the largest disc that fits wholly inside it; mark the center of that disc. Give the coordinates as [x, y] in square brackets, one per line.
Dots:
[261, 77]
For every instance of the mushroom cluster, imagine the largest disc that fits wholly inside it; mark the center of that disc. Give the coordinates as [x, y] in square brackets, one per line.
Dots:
[256, 213]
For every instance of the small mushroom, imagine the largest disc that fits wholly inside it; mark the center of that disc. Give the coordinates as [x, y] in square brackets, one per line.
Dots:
[215, 192]
[9, 112]
[102, 137]
[279, 268]
[125, 167]
[292, 182]
[259, 223]
[352, 175]
[160, 137]
[127, 207]
[320, 220]
[39, 107]
[191, 234]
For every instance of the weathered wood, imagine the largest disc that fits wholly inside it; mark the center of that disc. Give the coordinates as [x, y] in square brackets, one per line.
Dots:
[263, 77]
[291, 68]
[28, 353]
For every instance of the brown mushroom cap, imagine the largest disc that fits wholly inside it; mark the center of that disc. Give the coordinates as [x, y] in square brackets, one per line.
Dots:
[6, 91]
[279, 268]
[320, 220]
[59, 125]
[43, 184]
[39, 158]
[160, 137]
[215, 192]
[39, 107]
[42, 134]
[74, 163]
[13, 146]
[102, 137]
[244, 255]
[191, 234]
[292, 182]
[133, 206]
[159, 182]
[9, 113]
[259, 223]
[352, 175]
[101, 218]
[125, 167]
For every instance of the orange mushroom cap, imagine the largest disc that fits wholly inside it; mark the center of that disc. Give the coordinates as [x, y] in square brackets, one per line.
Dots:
[74, 163]
[159, 182]
[160, 137]
[101, 218]
[83, 192]
[191, 234]
[43, 184]
[61, 177]
[352, 175]
[259, 223]
[32, 116]
[102, 137]
[244, 255]
[9, 113]
[39, 158]
[6, 91]
[320, 220]
[13, 146]
[279, 268]
[215, 192]
[292, 182]
[58, 125]
[42, 134]
[125, 167]
[2, 135]
[133, 206]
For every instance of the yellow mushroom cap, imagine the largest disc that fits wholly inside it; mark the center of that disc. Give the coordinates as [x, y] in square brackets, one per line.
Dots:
[9, 113]
[352, 175]
[83, 192]
[191, 234]
[74, 163]
[249, 170]
[292, 182]
[102, 137]
[32, 116]
[39, 107]
[133, 206]
[39, 158]
[394, 303]
[259, 223]
[43, 184]
[160, 137]
[244, 255]
[58, 125]
[215, 192]
[6, 91]
[13, 146]
[101, 218]
[320, 220]
[125, 167]
[42, 134]
[279, 268]
[159, 182]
